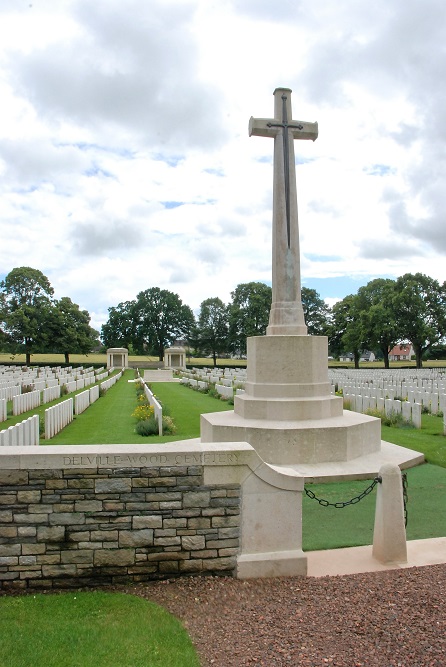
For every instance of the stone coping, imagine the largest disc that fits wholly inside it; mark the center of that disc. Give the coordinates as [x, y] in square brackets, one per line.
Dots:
[362, 467]
[223, 456]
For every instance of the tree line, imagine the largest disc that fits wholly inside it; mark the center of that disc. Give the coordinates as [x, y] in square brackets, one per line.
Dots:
[33, 321]
[383, 313]
[157, 318]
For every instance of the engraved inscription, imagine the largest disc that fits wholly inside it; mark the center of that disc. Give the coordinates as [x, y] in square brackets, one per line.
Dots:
[158, 459]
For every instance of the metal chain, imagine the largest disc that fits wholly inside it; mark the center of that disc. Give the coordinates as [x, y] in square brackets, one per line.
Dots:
[405, 495]
[353, 501]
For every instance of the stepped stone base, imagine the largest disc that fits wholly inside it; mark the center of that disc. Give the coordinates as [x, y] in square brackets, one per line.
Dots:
[289, 415]
[307, 441]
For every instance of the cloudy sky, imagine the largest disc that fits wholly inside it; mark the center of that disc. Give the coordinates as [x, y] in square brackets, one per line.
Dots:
[125, 160]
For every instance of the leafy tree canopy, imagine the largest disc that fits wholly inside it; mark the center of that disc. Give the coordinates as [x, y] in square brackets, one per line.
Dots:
[316, 312]
[26, 307]
[213, 327]
[248, 313]
[33, 321]
[420, 310]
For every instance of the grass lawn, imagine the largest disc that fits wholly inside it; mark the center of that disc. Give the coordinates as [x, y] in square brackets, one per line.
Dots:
[12, 420]
[430, 439]
[91, 629]
[331, 528]
[109, 420]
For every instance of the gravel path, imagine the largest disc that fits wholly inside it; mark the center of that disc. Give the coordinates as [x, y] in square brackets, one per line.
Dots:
[381, 619]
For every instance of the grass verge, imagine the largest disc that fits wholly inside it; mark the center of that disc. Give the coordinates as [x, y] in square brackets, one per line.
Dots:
[332, 528]
[109, 420]
[91, 629]
[430, 439]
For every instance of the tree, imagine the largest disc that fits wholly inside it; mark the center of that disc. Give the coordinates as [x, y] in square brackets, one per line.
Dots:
[119, 330]
[380, 329]
[420, 311]
[213, 327]
[72, 331]
[248, 313]
[317, 313]
[160, 317]
[347, 332]
[26, 306]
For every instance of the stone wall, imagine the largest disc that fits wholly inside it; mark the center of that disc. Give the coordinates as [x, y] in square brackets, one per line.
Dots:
[90, 526]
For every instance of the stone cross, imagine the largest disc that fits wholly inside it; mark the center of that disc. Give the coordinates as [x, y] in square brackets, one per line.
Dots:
[286, 316]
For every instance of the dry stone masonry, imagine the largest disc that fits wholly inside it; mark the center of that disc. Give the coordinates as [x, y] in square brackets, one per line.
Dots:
[83, 527]
[96, 514]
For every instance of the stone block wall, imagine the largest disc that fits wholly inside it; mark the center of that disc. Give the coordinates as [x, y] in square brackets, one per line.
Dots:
[71, 527]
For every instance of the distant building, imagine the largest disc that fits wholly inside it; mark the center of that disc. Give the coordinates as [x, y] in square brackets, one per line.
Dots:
[402, 352]
[346, 356]
[367, 356]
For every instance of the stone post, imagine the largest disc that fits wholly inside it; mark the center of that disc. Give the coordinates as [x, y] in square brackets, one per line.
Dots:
[389, 535]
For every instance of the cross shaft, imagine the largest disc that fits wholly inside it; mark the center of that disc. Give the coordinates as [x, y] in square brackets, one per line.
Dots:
[286, 315]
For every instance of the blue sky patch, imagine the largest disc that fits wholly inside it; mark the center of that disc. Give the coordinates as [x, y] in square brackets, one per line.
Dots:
[172, 204]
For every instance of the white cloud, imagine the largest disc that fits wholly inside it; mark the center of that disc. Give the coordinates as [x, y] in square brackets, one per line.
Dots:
[125, 160]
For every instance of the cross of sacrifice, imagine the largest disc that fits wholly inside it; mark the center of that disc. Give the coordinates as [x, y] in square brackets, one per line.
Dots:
[286, 316]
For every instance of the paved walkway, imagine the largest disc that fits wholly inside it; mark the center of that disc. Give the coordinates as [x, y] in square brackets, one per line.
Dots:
[354, 560]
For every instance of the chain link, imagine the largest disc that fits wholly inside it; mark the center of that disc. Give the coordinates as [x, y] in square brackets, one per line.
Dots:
[405, 495]
[357, 499]
[339, 505]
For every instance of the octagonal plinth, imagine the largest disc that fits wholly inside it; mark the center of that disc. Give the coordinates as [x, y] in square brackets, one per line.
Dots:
[287, 412]
[306, 441]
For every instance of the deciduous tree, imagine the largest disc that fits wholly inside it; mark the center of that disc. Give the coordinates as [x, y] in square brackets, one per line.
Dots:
[160, 317]
[248, 313]
[420, 311]
[380, 328]
[73, 333]
[347, 333]
[119, 330]
[27, 305]
[213, 327]
[316, 312]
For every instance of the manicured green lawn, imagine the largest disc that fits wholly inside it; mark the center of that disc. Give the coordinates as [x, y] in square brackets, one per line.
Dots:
[331, 528]
[109, 420]
[91, 629]
[12, 420]
[430, 439]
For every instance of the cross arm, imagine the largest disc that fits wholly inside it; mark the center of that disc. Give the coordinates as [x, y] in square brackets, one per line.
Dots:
[261, 127]
[269, 127]
[303, 130]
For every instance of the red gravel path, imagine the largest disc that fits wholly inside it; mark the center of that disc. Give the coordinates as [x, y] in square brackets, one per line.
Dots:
[381, 619]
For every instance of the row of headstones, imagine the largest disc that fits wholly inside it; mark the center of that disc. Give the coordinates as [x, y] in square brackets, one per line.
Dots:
[225, 390]
[157, 407]
[383, 378]
[402, 389]
[434, 401]
[24, 434]
[225, 376]
[58, 376]
[57, 416]
[45, 394]
[60, 415]
[381, 390]
[23, 402]
[28, 375]
[411, 412]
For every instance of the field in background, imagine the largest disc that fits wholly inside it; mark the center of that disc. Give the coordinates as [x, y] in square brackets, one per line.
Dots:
[86, 359]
